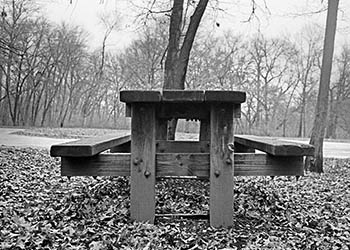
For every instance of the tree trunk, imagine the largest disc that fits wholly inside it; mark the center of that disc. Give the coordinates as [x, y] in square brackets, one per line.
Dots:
[302, 123]
[176, 61]
[318, 130]
[330, 131]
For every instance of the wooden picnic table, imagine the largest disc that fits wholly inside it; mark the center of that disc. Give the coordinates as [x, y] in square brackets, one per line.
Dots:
[150, 111]
[147, 154]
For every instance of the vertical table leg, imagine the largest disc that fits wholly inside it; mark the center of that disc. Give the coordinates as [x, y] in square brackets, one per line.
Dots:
[204, 131]
[143, 151]
[162, 129]
[221, 166]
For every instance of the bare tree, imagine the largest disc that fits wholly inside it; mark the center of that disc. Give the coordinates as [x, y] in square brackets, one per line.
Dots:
[309, 54]
[318, 131]
[339, 93]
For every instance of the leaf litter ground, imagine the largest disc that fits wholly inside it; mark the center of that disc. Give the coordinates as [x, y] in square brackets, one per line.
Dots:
[39, 209]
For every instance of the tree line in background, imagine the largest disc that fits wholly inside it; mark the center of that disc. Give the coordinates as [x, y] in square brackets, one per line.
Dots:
[49, 77]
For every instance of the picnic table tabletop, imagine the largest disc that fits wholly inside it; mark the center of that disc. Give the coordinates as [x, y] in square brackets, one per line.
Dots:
[176, 96]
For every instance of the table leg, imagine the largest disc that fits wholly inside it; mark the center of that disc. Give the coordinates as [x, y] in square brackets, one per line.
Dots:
[143, 150]
[204, 131]
[221, 166]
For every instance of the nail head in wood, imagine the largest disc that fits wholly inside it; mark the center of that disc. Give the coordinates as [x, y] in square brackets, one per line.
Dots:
[147, 174]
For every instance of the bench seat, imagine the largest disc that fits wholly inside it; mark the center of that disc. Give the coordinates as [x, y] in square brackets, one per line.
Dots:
[84, 158]
[272, 146]
[89, 146]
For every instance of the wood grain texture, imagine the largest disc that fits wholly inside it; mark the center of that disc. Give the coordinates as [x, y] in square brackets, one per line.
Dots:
[127, 110]
[143, 162]
[182, 165]
[183, 111]
[267, 165]
[204, 130]
[183, 146]
[225, 96]
[183, 96]
[98, 165]
[240, 148]
[88, 146]
[221, 166]
[237, 111]
[275, 146]
[162, 129]
[122, 148]
[134, 96]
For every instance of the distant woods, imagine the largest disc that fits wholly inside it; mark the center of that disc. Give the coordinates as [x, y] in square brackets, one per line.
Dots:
[49, 77]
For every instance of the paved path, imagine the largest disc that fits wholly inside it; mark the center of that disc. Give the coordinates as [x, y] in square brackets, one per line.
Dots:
[331, 149]
[8, 139]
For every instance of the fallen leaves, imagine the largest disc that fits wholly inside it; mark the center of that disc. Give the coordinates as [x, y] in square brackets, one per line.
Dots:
[39, 209]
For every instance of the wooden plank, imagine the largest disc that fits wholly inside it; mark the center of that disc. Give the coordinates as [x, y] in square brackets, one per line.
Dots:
[182, 165]
[275, 146]
[122, 148]
[128, 110]
[162, 129]
[221, 166]
[143, 162]
[204, 130]
[225, 96]
[240, 148]
[184, 216]
[237, 111]
[182, 146]
[88, 146]
[134, 96]
[98, 165]
[183, 111]
[268, 165]
[180, 96]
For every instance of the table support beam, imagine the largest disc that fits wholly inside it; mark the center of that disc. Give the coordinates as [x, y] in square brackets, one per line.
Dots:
[143, 152]
[221, 165]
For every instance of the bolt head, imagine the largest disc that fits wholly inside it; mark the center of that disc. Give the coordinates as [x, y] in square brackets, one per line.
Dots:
[217, 173]
[147, 174]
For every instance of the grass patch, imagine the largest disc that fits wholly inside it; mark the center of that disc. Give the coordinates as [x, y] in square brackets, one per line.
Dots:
[39, 209]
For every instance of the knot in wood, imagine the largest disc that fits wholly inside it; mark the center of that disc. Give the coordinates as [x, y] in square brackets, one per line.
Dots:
[217, 173]
[137, 161]
[231, 147]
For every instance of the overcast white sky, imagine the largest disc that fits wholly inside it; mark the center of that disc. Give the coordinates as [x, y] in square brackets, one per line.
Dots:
[278, 19]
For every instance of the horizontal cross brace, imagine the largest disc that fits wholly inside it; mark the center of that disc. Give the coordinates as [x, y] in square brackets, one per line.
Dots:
[183, 164]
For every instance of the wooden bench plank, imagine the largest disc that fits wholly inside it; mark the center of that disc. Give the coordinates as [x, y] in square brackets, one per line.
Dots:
[243, 143]
[274, 146]
[88, 146]
[182, 164]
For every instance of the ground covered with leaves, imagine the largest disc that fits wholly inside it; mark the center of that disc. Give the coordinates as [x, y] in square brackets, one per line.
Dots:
[39, 209]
